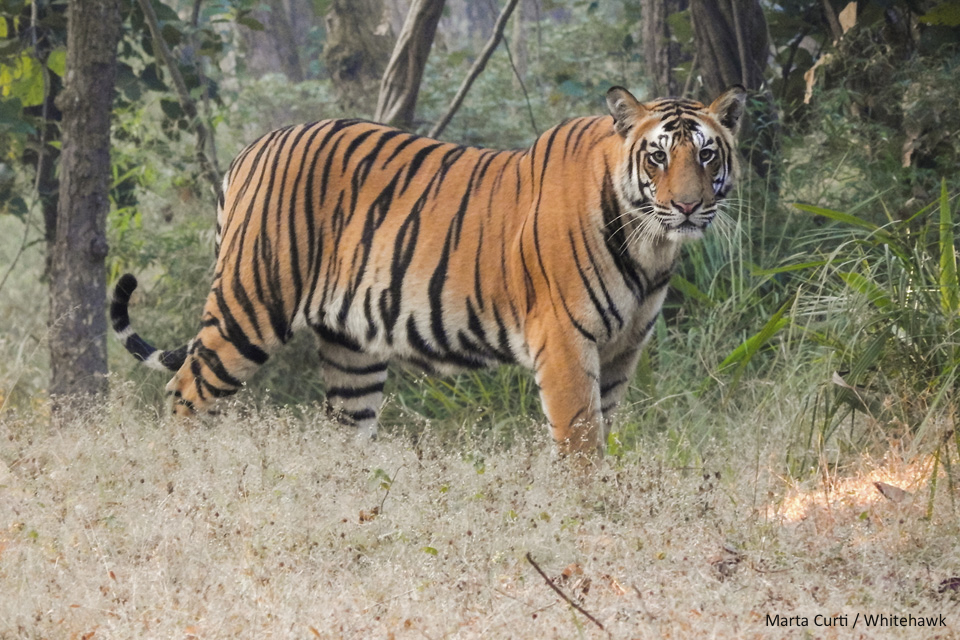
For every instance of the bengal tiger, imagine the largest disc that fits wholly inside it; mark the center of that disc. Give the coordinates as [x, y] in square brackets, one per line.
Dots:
[394, 246]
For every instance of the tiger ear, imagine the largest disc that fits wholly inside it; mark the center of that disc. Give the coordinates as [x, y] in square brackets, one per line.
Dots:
[728, 108]
[625, 109]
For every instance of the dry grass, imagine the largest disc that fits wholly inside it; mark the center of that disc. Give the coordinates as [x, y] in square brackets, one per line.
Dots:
[124, 525]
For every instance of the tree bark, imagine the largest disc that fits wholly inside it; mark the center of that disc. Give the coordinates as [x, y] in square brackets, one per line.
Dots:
[731, 40]
[358, 47]
[78, 327]
[661, 52]
[401, 81]
[732, 48]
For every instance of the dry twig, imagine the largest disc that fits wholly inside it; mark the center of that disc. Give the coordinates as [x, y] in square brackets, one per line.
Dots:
[553, 586]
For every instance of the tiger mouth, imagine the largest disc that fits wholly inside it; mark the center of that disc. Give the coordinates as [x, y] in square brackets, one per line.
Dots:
[691, 226]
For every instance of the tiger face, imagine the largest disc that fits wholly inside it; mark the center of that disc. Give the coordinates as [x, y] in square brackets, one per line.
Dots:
[680, 160]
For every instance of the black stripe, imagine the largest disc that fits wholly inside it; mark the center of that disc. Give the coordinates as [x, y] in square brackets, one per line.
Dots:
[214, 363]
[404, 247]
[354, 392]
[360, 415]
[614, 239]
[416, 340]
[539, 187]
[353, 146]
[416, 162]
[366, 163]
[576, 324]
[585, 279]
[610, 386]
[611, 305]
[379, 367]
[336, 338]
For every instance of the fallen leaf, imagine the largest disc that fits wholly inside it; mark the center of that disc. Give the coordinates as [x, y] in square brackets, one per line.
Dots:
[848, 17]
[573, 569]
[950, 584]
[892, 493]
[811, 77]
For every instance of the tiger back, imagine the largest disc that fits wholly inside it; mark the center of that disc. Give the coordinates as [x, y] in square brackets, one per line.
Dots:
[392, 246]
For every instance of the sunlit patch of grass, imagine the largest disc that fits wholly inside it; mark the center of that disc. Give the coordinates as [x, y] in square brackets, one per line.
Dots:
[893, 486]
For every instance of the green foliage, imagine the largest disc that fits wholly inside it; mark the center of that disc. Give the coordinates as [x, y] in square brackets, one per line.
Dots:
[883, 304]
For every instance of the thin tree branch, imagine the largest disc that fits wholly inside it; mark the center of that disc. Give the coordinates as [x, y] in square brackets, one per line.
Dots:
[832, 21]
[186, 102]
[553, 586]
[523, 87]
[204, 83]
[477, 68]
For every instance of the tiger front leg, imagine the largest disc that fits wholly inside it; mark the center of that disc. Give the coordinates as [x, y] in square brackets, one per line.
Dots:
[567, 372]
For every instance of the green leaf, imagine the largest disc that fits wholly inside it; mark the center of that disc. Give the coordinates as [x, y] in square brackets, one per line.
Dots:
[749, 347]
[874, 293]
[250, 23]
[16, 207]
[430, 550]
[3, 28]
[742, 355]
[681, 28]
[839, 216]
[24, 80]
[946, 14]
[57, 61]
[689, 290]
[949, 288]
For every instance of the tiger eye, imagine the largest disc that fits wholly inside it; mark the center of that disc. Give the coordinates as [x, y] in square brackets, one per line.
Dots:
[659, 157]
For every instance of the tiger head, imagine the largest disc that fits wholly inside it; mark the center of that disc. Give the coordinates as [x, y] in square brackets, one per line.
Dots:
[679, 160]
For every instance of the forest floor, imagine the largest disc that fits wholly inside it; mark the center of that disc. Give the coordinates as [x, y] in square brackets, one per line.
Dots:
[122, 524]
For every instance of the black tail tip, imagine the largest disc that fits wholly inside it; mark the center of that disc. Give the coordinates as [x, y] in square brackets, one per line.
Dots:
[125, 287]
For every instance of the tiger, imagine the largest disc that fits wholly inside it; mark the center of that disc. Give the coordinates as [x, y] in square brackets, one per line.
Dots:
[392, 246]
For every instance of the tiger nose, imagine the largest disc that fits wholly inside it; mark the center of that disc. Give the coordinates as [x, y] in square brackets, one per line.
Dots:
[686, 208]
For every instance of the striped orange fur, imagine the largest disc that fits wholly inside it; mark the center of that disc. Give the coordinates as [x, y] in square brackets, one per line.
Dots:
[392, 246]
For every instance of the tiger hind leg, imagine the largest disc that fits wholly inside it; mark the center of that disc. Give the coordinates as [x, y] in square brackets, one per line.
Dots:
[354, 381]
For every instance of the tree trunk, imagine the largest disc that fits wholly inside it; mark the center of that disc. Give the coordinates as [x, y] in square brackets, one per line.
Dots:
[401, 81]
[357, 50]
[660, 50]
[78, 327]
[731, 39]
[732, 48]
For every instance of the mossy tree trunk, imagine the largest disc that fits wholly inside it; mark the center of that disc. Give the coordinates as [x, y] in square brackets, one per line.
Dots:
[359, 42]
[78, 327]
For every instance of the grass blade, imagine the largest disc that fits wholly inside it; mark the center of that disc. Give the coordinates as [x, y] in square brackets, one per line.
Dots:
[839, 216]
[949, 288]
